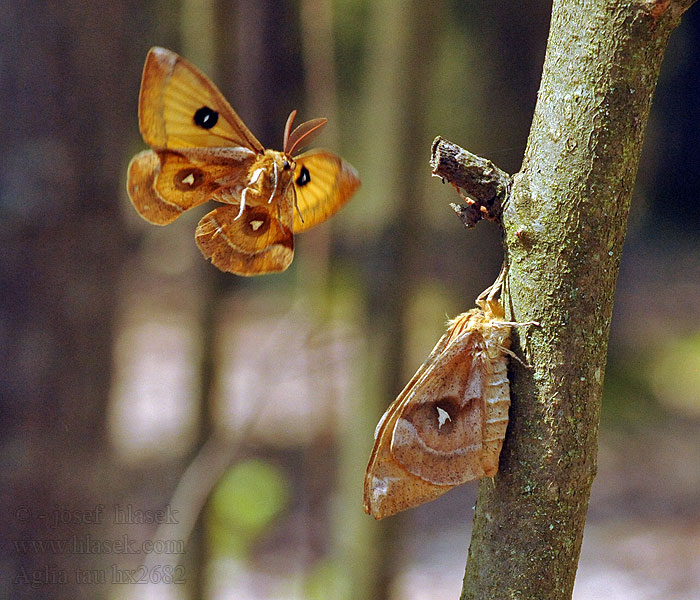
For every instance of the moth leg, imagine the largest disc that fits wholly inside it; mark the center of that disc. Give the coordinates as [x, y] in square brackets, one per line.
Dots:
[274, 179]
[253, 180]
[240, 212]
[486, 300]
[296, 205]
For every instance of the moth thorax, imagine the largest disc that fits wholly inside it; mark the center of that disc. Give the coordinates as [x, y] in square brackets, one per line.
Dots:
[269, 176]
[494, 333]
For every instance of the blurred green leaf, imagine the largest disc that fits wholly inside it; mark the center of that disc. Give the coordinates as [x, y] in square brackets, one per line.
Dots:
[627, 399]
[674, 375]
[247, 499]
[328, 579]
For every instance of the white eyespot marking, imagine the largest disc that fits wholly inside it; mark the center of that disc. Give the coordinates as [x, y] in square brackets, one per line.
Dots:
[443, 416]
[255, 225]
[189, 180]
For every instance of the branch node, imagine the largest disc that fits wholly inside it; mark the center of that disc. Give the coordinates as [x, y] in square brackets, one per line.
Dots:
[482, 185]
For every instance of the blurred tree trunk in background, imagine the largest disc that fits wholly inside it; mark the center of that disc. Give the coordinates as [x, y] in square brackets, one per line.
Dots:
[398, 59]
[63, 244]
[316, 21]
[198, 21]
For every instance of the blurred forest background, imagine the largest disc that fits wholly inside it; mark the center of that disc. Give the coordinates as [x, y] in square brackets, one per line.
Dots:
[137, 378]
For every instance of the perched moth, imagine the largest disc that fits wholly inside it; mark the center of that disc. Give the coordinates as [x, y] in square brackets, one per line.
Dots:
[447, 425]
[201, 150]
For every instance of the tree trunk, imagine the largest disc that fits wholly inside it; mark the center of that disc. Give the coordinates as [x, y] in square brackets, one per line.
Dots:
[565, 226]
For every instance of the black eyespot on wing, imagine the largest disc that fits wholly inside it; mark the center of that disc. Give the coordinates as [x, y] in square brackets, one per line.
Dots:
[304, 177]
[206, 117]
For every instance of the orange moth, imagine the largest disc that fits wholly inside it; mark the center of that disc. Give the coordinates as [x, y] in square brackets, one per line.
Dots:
[201, 150]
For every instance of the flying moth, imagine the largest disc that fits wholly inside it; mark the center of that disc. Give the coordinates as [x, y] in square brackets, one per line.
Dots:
[201, 150]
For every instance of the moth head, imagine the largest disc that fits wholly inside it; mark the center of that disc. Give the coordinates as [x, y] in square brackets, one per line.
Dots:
[281, 161]
[278, 169]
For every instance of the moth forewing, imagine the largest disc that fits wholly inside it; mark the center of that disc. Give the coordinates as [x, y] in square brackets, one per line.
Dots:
[438, 434]
[383, 469]
[323, 182]
[179, 107]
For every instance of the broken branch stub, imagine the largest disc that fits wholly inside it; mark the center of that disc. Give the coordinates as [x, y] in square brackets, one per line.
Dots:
[481, 184]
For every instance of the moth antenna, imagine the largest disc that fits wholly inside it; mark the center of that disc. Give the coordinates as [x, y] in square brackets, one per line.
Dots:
[303, 134]
[495, 288]
[288, 129]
